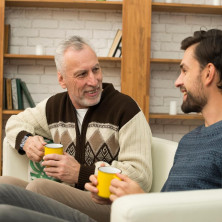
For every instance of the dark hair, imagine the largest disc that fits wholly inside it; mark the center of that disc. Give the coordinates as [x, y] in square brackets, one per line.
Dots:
[208, 50]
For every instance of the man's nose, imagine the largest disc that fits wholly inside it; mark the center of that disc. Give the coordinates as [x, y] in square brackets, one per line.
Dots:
[179, 80]
[92, 80]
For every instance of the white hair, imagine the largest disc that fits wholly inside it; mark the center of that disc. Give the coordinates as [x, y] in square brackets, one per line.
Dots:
[75, 42]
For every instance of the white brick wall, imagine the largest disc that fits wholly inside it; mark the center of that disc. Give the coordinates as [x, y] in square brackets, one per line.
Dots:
[168, 29]
[31, 26]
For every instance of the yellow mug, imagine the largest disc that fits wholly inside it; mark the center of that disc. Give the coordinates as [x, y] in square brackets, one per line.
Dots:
[52, 148]
[105, 175]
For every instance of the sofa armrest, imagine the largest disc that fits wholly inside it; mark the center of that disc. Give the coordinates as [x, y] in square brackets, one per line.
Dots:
[198, 206]
[163, 152]
[14, 164]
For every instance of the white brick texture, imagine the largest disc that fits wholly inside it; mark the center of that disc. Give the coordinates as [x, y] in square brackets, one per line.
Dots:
[32, 26]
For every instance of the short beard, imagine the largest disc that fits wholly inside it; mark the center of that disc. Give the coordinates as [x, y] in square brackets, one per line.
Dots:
[88, 103]
[193, 104]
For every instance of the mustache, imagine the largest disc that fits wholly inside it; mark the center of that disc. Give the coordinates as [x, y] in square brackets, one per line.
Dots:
[93, 88]
[182, 89]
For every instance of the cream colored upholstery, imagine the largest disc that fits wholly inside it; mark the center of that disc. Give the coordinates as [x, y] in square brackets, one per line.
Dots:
[163, 152]
[14, 164]
[186, 206]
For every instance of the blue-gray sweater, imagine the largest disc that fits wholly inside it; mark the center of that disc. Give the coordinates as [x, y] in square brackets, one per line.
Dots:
[198, 161]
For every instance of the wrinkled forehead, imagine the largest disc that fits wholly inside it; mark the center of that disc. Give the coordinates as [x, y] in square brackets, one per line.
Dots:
[83, 59]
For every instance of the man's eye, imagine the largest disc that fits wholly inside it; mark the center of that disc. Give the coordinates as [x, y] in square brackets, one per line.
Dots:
[81, 75]
[96, 69]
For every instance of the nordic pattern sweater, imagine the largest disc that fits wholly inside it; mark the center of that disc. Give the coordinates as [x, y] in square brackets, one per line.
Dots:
[198, 161]
[114, 131]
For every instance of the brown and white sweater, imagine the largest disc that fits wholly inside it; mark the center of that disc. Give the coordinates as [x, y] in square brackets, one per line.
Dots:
[114, 131]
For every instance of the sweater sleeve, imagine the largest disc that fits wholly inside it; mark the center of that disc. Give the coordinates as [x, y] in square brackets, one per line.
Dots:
[84, 173]
[31, 120]
[135, 151]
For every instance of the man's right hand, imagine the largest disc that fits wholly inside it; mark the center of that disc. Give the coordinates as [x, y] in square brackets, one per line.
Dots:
[34, 148]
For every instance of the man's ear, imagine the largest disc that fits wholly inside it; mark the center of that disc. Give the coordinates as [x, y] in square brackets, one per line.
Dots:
[210, 74]
[61, 80]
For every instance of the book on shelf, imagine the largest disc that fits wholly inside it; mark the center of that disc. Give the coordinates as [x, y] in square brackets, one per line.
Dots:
[6, 38]
[14, 94]
[4, 94]
[116, 45]
[27, 94]
[20, 97]
[9, 93]
[19, 94]
[118, 51]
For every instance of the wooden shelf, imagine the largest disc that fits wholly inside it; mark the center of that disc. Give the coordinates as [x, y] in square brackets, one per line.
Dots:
[165, 61]
[110, 59]
[11, 112]
[65, 4]
[114, 59]
[186, 8]
[17, 56]
[50, 57]
[178, 116]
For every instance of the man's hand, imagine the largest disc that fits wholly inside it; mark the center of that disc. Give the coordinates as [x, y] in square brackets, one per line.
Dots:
[123, 187]
[34, 149]
[63, 167]
[94, 191]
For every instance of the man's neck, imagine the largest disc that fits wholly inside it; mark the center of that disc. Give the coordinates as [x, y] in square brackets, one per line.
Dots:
[212, 112]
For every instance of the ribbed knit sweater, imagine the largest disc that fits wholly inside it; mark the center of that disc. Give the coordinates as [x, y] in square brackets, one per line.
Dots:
[198, 160]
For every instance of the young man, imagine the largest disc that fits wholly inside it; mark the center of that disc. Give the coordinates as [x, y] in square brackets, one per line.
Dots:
[198, 160]
[94, 122]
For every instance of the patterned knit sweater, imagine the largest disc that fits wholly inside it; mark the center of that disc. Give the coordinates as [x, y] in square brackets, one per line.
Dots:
[114, 131]
[198, 160]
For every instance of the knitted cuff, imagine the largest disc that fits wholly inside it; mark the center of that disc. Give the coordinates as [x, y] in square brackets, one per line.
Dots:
[84, 173]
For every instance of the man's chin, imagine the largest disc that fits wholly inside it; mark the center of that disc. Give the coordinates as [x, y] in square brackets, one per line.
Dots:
[90, 102]
[191, 109]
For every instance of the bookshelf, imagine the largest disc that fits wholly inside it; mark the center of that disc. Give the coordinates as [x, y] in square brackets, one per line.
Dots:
[128, 28]
[136, 32]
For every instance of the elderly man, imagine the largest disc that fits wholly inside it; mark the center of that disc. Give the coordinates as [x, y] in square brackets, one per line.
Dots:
[96, 125]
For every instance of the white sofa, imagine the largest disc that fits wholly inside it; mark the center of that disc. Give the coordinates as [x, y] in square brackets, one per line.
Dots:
[16, 165]
[187, 206]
